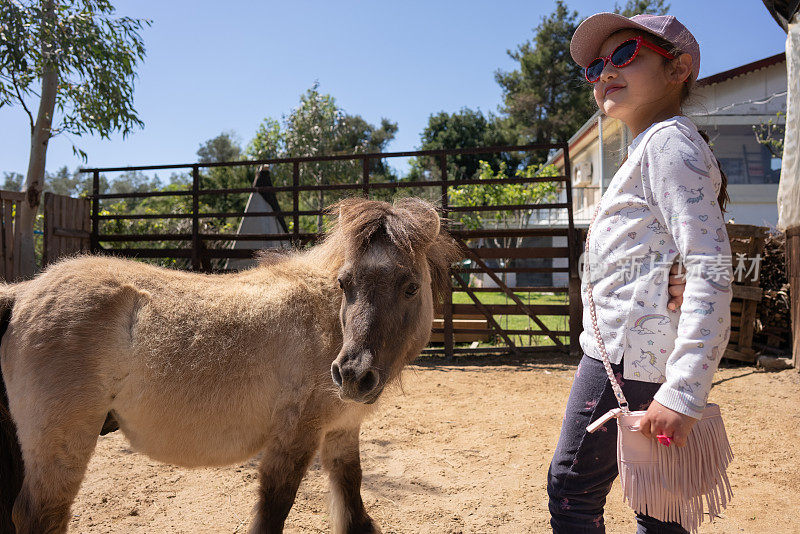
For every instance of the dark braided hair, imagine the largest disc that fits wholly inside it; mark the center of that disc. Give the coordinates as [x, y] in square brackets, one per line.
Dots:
[722, 198]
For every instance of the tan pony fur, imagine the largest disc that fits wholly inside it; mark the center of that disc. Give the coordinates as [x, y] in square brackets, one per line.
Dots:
[199, 370]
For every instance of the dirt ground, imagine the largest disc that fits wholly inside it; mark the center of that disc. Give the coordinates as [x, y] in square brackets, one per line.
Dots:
[462, 448]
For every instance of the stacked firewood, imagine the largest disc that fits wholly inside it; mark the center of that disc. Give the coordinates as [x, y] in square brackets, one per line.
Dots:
[773, 332]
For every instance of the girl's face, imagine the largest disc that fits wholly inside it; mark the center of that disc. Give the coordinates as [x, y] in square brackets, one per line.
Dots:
[641, 93]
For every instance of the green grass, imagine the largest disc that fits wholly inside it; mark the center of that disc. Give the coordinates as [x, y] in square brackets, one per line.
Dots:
[522, 322]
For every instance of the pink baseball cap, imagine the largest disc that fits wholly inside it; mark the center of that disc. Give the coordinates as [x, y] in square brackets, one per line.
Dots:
[592, 32]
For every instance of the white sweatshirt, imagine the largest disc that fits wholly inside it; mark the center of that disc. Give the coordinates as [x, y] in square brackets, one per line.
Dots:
[662, 203]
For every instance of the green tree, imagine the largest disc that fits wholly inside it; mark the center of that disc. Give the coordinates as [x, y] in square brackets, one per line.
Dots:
[268, 142]
[471, 195]
[354, 134]
[77, 184]
[771, 134]
[136, 181]
[72, 184]
[12, 181]
[319, 127]
[466, 128]
[637, 7]
[222, 148]
[78, 60]
[546, 99]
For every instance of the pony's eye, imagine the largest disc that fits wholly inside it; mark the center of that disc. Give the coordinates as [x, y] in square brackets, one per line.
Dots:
[341, 283]
[411, 290]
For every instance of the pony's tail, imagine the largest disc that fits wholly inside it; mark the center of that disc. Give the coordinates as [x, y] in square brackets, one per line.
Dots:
[11, 469]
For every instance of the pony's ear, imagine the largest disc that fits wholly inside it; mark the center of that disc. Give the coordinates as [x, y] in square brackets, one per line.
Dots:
[425, 217]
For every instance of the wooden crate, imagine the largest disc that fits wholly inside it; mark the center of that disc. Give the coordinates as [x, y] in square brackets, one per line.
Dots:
[748, 240]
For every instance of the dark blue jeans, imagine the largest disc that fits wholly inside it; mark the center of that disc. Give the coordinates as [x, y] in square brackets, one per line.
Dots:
[584, 465]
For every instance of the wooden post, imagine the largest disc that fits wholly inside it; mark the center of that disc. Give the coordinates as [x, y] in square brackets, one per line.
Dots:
[94, 242]
[365, 176]
[47, 228]
[296, 203]
[10, 233]
[573, 242]
[447, 305]
[7, 238]
[793, 274]
[16, 256]
[575, 301]
[196, 260]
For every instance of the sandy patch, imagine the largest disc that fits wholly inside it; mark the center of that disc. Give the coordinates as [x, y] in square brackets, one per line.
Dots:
[462, 448]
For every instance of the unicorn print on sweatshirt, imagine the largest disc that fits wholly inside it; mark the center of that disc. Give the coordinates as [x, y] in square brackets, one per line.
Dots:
[660, 207]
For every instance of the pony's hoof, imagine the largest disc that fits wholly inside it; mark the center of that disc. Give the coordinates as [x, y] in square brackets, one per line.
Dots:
[368, 526]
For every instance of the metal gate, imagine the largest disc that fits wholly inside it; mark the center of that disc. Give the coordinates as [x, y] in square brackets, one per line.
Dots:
[483, 313]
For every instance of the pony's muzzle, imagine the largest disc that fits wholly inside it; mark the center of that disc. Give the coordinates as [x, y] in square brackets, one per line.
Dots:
[355, 377]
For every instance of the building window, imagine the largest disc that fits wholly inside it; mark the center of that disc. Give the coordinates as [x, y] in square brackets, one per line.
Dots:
[743, 159]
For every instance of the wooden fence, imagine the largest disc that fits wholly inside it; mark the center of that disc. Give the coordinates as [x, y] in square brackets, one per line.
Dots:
[67, 226]
[539, 334]
[65, 230]
[68, 230]
[9, 234]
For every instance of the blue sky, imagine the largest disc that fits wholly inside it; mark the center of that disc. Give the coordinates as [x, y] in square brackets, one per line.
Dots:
[222, 66]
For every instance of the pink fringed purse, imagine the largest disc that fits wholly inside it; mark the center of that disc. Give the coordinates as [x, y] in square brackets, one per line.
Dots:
[668, 483]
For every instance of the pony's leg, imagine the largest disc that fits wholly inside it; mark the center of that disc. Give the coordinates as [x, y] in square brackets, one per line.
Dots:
[286, 459]
[54, 470]
[57, 438]
[340, 457]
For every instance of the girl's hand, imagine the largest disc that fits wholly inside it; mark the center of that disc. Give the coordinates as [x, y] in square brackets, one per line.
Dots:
[677, 285]
[661, 420]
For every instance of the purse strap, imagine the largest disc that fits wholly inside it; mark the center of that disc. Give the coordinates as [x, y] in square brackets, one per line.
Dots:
[621, 400]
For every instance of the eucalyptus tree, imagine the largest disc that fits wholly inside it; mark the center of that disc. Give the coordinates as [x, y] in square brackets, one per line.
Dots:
[70, 65]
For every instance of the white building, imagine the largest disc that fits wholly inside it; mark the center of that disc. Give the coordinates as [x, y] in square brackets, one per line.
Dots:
[726, 105]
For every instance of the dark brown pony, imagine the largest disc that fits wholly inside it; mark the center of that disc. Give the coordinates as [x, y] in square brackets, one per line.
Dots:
[198, 370]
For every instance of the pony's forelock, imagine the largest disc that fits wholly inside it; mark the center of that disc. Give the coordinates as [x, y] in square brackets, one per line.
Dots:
[411, 224]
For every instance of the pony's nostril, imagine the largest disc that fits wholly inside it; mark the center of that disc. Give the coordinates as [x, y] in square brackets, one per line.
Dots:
[368, 382]
[336, 374]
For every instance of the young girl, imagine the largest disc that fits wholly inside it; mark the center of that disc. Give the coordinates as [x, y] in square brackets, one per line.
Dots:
[664, 203]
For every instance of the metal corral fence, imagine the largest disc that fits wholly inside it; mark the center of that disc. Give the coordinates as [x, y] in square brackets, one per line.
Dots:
[485, 312]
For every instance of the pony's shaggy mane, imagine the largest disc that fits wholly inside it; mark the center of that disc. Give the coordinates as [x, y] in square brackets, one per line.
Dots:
[411, 224]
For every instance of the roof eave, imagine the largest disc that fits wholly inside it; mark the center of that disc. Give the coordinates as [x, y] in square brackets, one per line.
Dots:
[742, 69]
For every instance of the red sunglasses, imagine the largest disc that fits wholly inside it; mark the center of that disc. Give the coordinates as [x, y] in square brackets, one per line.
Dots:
[622, 57]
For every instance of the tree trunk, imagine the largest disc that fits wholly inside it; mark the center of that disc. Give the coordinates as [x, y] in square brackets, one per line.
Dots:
[40, 137]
